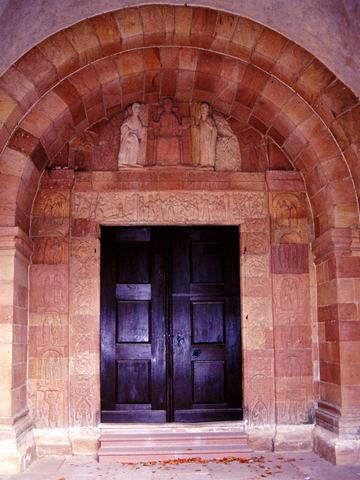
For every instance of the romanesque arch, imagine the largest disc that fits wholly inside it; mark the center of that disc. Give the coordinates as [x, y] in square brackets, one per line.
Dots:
[282, 103]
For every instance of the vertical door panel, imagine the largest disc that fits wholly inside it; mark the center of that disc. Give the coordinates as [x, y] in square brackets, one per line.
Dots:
[206, 316]
[132, 327]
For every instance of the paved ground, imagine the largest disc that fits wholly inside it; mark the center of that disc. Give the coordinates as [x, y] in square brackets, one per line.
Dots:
[306, 466]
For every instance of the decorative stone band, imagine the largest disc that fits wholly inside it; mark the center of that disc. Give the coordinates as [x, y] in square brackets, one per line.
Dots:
[169, 207]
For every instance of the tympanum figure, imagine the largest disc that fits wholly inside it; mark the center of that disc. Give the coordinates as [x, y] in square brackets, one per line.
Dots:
[133, 134]
[168, 131]
[214, 144]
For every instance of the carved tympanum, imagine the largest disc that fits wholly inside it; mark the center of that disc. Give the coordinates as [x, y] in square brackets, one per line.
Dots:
[165, 139]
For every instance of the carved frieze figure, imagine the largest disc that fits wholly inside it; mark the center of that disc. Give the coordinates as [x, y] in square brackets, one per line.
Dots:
[168, 130]
[133, 136]
[214, 144]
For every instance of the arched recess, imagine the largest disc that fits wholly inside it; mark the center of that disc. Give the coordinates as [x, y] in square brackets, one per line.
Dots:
[251, 74]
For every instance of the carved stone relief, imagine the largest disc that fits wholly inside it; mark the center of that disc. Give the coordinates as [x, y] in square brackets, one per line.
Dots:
[164, 136]
[50, 294]
[133, 138]
[168, 207]
[50, 217]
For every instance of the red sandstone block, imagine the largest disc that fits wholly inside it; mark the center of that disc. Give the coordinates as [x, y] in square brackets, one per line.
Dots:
[295, 144]
[168, 83]
[349, 331]
[36, 123]
[209, 63]
[350, 123]
[268, 49]
[59, 51]
[132, 83]
[52, 106]
[129, 63]
[10, 111]
[86, 82]
[83, 38]
[350, 395]
[296, 110]
[329, 352]
[232, 69]
[332, 331]
[350, 373]
[188, 58]
[183, 17]
[225, 25]
[330, 372]
[335, 100]
[112, 93]
[240, 112]
[291, 62]
[325, 146]
[107, 31]
[129, 23]
[245, 38]
[258, 124]
[294, 362]
[152, 59]
[289, 258]
[205, 82]
[69, 94]
[158, 24]
[330, 393]
[169, 57]
[19, 87]
[350, 352]
[152, 82]
[276, 92]
[185, 80]
[252, 84]
[203, 27]
[340, 135]
[313, 81]
[106, 70]
[38, 69]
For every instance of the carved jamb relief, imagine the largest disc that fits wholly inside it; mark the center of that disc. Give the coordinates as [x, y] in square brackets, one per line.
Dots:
[51, 214]
[291, 299]
[169, 207]
[257, 323]
[289, 218]
[50, 408]
[256, 265]
[83, 401]
[295, 400]
[50, 250]
[49, 288]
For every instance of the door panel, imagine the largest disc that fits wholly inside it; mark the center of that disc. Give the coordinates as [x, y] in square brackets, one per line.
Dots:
[205, 290]
[133, 327]
[170, 328]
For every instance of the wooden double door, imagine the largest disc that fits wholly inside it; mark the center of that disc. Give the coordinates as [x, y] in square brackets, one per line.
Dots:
[170, 324]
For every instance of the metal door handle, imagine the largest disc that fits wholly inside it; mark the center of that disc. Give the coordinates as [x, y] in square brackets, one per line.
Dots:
[179, 339]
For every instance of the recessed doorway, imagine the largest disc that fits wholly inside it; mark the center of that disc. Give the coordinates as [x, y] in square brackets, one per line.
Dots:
[170, 324]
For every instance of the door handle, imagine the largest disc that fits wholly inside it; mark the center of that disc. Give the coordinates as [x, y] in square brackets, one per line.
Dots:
[179, 339]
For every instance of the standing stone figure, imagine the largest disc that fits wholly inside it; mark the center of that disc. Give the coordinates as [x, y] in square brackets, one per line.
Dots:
[133, 134]
[214, 144]
[207, 133]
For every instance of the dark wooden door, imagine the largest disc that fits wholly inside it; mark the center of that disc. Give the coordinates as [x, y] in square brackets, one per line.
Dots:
[170, 324]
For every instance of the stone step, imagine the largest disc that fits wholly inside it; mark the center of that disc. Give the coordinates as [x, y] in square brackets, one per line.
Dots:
[157, 443]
